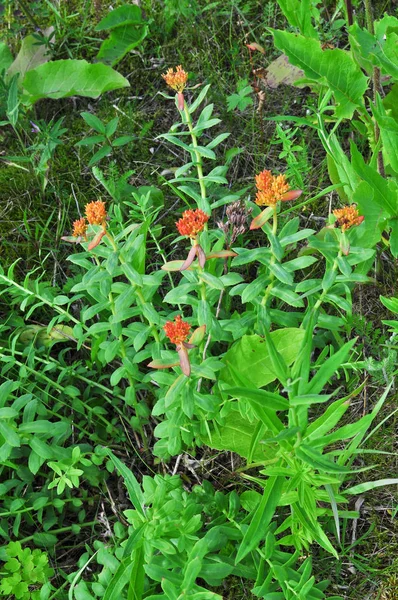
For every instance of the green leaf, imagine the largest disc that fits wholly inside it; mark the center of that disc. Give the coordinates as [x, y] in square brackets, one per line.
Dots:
[119, 581]
[385, 193]
[236, 436]
[8, 413]
[122, 140]
[369, 233]
[211, 280]
[379, 49]
[298, 14]
[264, 398]
[112, 126]
[389, 134]
[329, 419]
[262, 517]
[131, 483]
[281, 273]
[99, 155]
[91, 140]
[9, 435]
[250, 357]
[328, 369]
[369, 485]
[5, 56]
[390, 303]
[394, 237]
[31, 55]
[94, 122]
[121, 40]
[319, 461]
[126, 14]
[64, 78]
[334, 67]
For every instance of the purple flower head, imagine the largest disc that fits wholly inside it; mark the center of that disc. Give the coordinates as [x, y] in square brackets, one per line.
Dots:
[35, 128]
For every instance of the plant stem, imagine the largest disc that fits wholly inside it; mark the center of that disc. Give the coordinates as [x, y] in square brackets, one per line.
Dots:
[321, 298]
[28, 14]
[199, 164]
[375, 82]
[63, 529]
[273, 259]
[349, 12]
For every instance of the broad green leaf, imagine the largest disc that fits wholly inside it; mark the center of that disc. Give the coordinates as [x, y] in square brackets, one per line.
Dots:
[298, 14]
[280, 71]
[369, 234]
[5, 56]
[334, 67]
[64, 78]
[380, 49]
[250, 357]
[122, 15]
[236, 436]
[31, 55]
[262, 517]
[385, 193]
[121, 40]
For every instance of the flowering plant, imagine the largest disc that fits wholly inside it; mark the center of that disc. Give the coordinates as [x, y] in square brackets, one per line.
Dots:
[257, 316]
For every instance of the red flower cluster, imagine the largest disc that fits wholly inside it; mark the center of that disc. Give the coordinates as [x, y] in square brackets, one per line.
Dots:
[177, 331]
[270, 188]
[96, 213]
[178, 80]
[192, 222]
[80, 228]
[347, 217]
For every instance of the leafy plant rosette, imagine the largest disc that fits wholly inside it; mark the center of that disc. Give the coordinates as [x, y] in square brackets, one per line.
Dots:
[253, 378]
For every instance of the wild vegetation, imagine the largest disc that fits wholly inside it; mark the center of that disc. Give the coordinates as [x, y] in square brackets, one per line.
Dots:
[198, 286]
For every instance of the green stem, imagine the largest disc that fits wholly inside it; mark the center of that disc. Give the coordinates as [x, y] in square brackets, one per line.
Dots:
[28, 14]
[29, 508]
[199, 164]
[273, 260]
[44, 300]
[321, 298]
[64, 529]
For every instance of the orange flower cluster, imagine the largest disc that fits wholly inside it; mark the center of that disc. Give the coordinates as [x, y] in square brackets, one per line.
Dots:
[80, 228]
[192, 222]
[96, 212]
[178, 80]
[178, 331]
[347, 217]
[270, 188]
